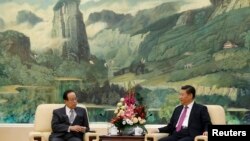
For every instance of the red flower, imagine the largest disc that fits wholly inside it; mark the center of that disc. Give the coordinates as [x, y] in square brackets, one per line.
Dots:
[128, 113]
[140, 112]
[130, 99]
[116, 119]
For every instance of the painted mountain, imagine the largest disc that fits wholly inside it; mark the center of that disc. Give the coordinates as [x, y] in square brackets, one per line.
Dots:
[99, 50]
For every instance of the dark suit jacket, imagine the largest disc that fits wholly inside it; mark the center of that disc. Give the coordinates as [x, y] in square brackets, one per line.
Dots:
[60, 123]
[199, 120]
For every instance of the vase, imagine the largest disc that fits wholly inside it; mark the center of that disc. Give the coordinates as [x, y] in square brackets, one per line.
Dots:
[127, 131]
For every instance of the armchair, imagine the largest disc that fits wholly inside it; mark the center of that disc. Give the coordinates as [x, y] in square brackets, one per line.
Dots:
[42, 123]
[216, 113]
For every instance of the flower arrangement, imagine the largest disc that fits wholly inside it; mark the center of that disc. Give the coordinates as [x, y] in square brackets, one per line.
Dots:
[129, 114]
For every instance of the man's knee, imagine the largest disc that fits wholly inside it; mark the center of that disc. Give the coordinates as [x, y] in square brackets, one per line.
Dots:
[162, 139]
[168, 138]
[186, 139]
[56, 139]
[74, 139]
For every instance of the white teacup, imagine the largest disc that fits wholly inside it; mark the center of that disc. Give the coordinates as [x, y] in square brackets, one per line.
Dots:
[113, 130]
[138, 131]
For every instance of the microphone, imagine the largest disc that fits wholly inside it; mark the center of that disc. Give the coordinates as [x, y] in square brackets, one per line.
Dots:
[149, 115]
[102, 115]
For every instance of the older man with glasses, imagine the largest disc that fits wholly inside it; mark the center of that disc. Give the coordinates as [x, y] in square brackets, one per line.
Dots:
[70, 122]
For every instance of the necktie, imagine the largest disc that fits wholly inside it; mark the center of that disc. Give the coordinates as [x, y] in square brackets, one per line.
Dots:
[71, 116]
[181, 119]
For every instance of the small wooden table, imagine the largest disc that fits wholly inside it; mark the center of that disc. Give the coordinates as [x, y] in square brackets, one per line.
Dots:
[121, 138]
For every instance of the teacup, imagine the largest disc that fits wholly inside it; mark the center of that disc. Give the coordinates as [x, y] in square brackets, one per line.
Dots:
[113, 131]
[138, 131]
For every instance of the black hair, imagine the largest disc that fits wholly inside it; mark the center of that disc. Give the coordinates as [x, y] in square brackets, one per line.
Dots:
[189, 89]
[65, 94]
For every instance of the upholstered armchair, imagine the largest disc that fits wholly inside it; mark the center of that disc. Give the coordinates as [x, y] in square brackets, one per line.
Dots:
[216, 113]
[42, 123]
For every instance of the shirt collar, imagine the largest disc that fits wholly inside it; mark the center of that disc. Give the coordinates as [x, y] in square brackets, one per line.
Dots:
[190, 105]
[67, 109]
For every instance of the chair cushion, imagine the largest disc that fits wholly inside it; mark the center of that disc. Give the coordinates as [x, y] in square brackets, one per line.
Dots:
[217, 114]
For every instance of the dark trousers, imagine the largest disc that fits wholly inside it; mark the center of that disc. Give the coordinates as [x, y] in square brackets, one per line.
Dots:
[69, 139]
[182, 135]
[66, 137]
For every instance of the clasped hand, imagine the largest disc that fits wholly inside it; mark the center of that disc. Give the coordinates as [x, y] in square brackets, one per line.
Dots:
[77, 128]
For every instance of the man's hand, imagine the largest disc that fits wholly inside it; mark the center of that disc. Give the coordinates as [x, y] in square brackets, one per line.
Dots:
[205, 133]
[77, 128]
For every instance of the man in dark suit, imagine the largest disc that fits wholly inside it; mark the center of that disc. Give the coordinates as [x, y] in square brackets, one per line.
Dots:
[70, 122]
[188, 119]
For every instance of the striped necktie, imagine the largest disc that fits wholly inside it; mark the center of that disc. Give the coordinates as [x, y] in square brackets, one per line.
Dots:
[71, 116]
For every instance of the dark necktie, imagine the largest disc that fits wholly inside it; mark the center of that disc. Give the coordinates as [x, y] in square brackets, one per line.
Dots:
[181, 119]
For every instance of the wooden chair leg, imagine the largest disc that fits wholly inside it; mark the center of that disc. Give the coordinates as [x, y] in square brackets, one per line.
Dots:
[150, 139]
[91, 138]
[37, 138]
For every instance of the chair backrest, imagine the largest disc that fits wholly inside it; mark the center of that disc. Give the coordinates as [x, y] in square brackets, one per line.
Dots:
[43, 116]
[217, 114]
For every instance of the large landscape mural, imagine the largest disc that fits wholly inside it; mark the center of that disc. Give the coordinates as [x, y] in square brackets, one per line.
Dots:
[100, 48]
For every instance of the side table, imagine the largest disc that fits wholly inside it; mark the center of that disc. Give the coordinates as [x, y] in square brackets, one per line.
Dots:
[121, 138]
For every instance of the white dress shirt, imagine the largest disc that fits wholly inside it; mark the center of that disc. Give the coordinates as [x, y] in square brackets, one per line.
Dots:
[68, 114]
[185, 122]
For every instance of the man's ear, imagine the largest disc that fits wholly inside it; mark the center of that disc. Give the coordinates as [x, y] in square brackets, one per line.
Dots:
[191, 95]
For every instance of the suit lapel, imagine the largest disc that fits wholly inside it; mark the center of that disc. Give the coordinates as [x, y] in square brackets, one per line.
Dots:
[192, 113]
[76, 112]
[179, 109]
[65, 114]
[64, 111]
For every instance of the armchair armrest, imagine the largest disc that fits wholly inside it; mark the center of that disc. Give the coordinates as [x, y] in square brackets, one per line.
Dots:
[36, 136]
[200, 138]
[90, 136]
[155, 136]
[91, 131]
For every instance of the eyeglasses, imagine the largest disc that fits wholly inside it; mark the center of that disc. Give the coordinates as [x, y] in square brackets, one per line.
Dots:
[72, 100]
